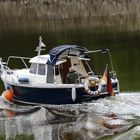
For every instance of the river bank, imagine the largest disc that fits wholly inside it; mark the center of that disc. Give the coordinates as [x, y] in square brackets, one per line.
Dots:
[29, 14]
[63, 9]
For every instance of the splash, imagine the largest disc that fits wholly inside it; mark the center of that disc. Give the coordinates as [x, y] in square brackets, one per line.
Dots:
[12, 109]
[109, 118]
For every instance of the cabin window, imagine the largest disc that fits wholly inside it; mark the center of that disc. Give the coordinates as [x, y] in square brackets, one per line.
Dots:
[33, 68]
[41, 69]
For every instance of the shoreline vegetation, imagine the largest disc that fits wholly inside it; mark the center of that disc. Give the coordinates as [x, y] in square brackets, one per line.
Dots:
[29, 14]
[63, 9]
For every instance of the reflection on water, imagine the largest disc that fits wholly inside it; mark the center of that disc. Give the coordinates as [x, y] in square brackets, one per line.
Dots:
[110, 118]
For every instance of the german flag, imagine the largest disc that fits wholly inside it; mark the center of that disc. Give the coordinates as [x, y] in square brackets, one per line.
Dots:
[107, 79]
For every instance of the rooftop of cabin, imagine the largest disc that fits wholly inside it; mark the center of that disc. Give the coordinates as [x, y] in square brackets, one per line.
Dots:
[41, 59]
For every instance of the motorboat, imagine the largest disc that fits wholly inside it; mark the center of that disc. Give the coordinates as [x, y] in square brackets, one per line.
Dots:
[44, 80]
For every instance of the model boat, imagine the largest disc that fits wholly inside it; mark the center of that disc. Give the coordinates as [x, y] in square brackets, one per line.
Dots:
[45, 80]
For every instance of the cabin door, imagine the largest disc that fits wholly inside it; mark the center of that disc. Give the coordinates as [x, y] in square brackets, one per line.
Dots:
[64, 69]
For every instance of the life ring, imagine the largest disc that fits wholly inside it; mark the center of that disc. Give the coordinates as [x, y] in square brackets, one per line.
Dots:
[92, 80]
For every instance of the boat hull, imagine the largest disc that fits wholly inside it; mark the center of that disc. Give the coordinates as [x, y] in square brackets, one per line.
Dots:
[34, 95]
[45, 96]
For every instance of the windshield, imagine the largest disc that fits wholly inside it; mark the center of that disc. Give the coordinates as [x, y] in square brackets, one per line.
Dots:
[33, 68]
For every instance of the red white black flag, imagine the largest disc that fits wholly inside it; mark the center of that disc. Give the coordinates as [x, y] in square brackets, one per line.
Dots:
[107, 79]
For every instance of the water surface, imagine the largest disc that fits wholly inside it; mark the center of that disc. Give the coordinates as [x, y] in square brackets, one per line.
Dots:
[122, 38]
[87, 25]
[113, 118]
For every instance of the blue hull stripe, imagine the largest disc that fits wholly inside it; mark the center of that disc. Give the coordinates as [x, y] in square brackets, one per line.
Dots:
[50, 95]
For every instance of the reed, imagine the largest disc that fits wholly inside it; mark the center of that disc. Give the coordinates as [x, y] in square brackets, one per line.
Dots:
[62, 9]
[55, 14]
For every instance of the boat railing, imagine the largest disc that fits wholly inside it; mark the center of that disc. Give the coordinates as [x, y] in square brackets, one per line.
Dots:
[8, 71]
[18, 57]
[104, 51]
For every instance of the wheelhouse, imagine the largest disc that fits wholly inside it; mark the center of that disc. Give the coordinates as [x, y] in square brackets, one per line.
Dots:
[57, 73]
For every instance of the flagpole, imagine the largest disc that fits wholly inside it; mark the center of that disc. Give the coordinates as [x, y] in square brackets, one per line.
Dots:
[40, 40]
[111, 64]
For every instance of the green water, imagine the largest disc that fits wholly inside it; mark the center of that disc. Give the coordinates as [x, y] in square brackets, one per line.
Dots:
[121, 36]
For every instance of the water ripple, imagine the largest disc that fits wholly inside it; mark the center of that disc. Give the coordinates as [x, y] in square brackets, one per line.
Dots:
[116, 118]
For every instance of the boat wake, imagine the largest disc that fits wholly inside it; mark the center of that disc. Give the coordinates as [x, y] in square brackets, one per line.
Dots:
[109, 118]
[15, 109]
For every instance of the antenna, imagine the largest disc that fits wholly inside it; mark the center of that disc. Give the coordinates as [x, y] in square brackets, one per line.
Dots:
[41, 44]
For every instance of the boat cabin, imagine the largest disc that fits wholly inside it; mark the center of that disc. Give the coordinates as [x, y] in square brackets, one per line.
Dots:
[53, 67]
[57, 73]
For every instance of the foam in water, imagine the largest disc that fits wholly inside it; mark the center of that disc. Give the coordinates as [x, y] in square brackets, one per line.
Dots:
[109, 118]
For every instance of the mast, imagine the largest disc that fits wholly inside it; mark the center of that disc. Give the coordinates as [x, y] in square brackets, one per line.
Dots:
[39, 48]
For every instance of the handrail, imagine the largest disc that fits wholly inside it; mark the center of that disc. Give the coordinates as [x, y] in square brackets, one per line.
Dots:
[8, 70]
[18, 57]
